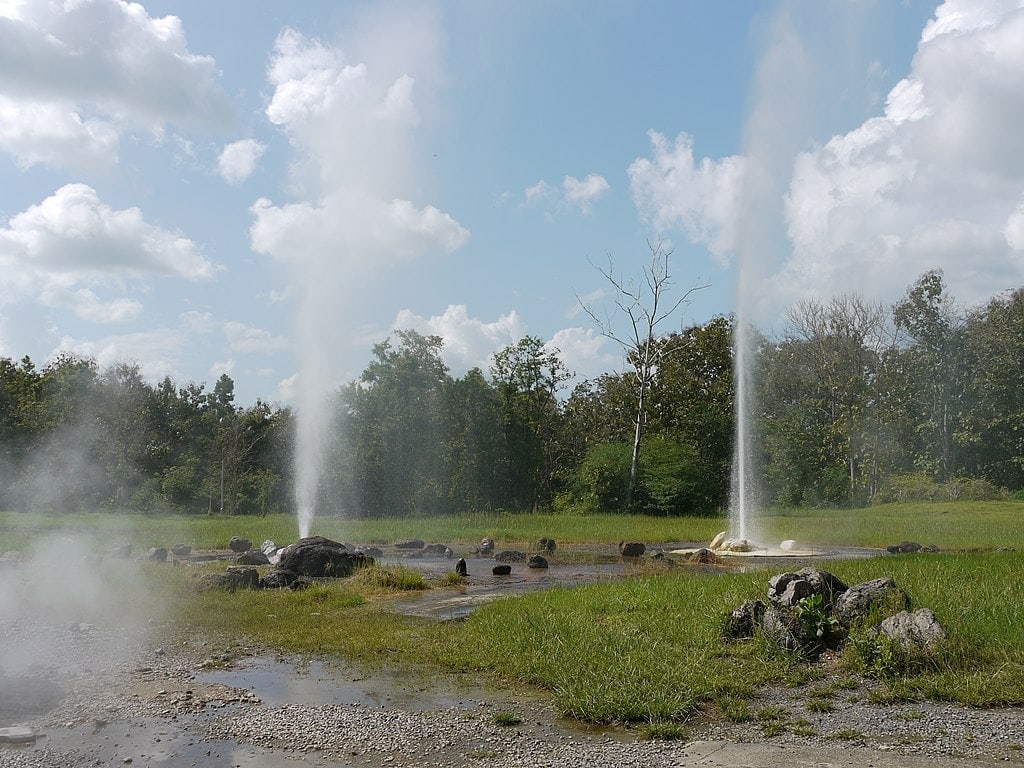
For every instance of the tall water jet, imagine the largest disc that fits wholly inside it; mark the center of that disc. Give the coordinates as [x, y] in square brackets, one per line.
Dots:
[352, 118]
[773, 134]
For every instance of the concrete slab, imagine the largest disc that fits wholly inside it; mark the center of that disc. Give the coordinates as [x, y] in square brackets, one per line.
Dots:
[726, 754]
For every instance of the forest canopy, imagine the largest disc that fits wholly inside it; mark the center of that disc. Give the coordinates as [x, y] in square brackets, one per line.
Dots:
[856, 403]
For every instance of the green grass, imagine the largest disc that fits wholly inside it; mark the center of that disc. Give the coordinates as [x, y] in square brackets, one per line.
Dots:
[949, 526]
[646, 648]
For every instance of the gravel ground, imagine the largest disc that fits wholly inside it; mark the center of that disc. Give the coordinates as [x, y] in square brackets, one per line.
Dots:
[128, 702]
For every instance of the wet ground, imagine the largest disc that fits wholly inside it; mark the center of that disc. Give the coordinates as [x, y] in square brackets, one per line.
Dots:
[91, 694]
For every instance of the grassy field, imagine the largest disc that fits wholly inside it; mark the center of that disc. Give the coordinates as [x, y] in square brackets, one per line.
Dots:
[950, 526]
[645, 648]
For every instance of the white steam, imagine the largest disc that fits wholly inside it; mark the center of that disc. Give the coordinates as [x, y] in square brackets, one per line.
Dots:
[353, 125]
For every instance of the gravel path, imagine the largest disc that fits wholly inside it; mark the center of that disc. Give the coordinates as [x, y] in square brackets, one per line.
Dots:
[127, 702]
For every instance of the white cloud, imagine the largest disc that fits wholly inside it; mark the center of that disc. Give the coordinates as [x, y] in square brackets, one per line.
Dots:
[246, 339]
[238, 160]
[584, 192]
[539, 191]
[76, 75]
[347, 231]
[88, 306]
[1014, 230]
[934, 182]
[353, 123]
[76, 253]
[585, 352]
[468, 341]
[50, 133]
[702, 199]
[573, 193]
[74, 234]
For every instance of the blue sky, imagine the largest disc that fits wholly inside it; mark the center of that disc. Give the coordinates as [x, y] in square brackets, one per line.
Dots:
[267, 189]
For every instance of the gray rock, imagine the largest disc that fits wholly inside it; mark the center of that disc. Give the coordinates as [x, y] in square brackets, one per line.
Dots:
[486, 546]
[252, 557]
[236, 577]
[17, 734]
[510, 556]
[743, 621]
[316, 556]
[410, 544]
[860, 598]
[157, 555]
[181, 550]
[537, 562]
[904, 548]
[546, 545]
[919, 629]
[278, 579]
[437, 550]
[631, 549]
[501, 570]
[269, 548]
[238, 544]
[787, 589]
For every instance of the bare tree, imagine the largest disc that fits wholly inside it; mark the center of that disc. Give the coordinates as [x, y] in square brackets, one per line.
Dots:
[646, 304]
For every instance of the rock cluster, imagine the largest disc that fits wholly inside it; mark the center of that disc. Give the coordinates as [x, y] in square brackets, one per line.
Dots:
[812, 610]
[297, 564]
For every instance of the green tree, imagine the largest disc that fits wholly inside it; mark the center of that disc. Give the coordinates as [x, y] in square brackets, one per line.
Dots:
[397, 427]
[528, 376]
[692, 402]
[994, 427]
[937, 368]
[645, 304]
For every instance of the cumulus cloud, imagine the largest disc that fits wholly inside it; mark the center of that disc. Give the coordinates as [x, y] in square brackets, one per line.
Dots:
[75, 76]
[469, 342]
[51, 133]
[73, 233]
[586, 352]
[573, 193]
[238, 160]
[352, 122]
[247, 339]
[673, 191]
[583, 193]
[157, 351]
[74, 252]
[933, 182]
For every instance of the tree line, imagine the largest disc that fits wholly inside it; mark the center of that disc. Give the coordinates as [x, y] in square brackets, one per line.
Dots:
[855, 403]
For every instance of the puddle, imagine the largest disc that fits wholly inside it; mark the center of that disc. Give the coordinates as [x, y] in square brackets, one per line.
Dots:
[282, 681]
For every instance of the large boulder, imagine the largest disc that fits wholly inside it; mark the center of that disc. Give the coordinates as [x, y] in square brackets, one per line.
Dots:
[537, 562]
[631, 549]
[316, 556]
[239, 545]
[918, 630]
[859, 599]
